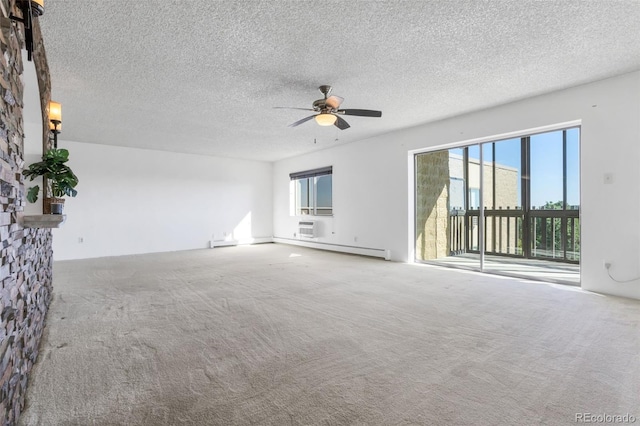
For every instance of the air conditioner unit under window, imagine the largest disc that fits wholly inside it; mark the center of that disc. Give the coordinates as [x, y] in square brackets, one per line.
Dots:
[307, 229]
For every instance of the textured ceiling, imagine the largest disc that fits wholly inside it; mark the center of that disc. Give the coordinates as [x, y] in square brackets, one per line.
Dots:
[203, 76]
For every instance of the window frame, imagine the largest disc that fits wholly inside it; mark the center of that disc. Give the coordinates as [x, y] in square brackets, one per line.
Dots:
[312, 177]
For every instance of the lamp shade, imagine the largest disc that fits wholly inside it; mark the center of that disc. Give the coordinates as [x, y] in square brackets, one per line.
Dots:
[325, 119]
[55, 116]
[37, 7]
[55, 111]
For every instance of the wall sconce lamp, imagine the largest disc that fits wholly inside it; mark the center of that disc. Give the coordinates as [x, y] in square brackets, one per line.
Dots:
[55, 121]
[30, 9]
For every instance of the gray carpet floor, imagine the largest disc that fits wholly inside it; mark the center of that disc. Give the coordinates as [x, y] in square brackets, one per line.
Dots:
[282, 335]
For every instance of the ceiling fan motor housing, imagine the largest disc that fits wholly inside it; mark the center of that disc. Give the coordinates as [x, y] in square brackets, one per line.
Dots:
[320, 104]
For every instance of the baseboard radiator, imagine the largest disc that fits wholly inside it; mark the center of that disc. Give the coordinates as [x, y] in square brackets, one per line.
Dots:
[364, 251]
[307, 229]
[245, 241]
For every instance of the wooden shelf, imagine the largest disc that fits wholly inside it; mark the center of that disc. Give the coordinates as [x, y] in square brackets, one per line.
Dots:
[44, 220]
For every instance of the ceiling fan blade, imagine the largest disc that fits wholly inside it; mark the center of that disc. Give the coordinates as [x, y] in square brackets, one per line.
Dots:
[341, 124]
[334, 101]
[303, 109]
[299, 122]
[360, 112]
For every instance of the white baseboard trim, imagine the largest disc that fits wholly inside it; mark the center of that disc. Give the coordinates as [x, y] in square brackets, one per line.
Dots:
[247, 241]
[363, 251]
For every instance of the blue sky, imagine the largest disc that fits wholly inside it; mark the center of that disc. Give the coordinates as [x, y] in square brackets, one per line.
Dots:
[546, 164]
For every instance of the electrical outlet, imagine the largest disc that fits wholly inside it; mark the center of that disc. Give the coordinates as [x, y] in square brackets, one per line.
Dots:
[355, 239]
[607, 264]
[294, 235]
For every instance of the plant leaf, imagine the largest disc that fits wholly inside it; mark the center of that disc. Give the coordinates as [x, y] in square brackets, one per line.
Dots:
[32, 194]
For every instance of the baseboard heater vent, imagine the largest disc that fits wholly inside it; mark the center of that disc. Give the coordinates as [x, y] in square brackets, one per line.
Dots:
[307, 229]
[243, 241]
[364, 251]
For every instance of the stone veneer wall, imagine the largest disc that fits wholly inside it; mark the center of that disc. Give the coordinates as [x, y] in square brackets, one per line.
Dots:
[432, 212]
[26, 254]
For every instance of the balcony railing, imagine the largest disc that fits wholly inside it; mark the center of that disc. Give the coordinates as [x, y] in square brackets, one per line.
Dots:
[543, 234]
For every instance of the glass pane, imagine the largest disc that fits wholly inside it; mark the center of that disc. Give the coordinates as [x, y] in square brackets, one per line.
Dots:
[471, 257]
[324, 201]
[487, 197]
[442, 232]
[573, 193]
[303, 196]
[508, 174]
[456, 206]
[456, 179]
[473, 210]
[474, 177]
[487, 176]
[573, 169]
[546, 237]
[508, 213]
[573, 239]
[547, 171]
[432, 201]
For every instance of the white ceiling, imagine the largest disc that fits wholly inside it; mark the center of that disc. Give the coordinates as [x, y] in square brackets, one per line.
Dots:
[203, 76]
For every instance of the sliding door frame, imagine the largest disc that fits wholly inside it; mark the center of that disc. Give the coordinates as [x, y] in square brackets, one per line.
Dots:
[525, 191]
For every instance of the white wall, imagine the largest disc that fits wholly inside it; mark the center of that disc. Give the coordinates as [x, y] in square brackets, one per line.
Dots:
[33, 154]
[371, 178]
[32, 116]
[140, 201]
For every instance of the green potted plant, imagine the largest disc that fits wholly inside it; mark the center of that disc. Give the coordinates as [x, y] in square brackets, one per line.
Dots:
[59, 178]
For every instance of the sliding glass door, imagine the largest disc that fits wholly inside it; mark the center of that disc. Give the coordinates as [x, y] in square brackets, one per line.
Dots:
[484, 206]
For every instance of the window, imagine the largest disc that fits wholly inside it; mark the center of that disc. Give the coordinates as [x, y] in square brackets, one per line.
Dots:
[530, 191]
[312, 192]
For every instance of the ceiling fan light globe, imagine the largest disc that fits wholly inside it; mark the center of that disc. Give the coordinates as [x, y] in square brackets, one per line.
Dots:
[326, 119]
